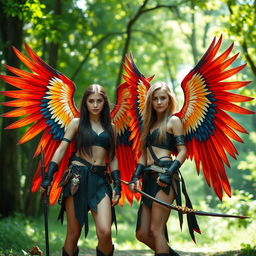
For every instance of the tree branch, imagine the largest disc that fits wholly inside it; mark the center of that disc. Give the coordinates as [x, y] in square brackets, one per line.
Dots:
[95, 45]
[140, 12]
[248, 57]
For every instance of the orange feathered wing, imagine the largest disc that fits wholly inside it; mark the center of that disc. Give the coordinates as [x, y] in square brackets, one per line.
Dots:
[124, 118]
[208, 128]
[138, 87]
[45, 99]
[129, 108]
[124, 153]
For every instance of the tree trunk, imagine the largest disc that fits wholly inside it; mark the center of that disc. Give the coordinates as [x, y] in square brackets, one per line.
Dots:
[11, 29]
[30, 200]
[53, 48]
[193, 35]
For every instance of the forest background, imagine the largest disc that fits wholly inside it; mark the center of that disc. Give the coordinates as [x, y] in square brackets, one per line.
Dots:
[87, 41]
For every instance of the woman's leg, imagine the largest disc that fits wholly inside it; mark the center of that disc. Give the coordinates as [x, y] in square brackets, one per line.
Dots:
[159, 217]
[143, 232]
[73, 227]
[103, 221]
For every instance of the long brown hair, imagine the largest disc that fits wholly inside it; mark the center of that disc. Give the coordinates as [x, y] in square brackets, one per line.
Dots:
[84, 134]
[150, 115]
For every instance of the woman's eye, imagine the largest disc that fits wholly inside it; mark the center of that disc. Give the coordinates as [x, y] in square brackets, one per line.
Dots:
[163, 98]
[91, 101]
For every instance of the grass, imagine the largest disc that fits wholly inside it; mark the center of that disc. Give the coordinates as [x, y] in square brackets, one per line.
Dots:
[19, 233]
[218, 234]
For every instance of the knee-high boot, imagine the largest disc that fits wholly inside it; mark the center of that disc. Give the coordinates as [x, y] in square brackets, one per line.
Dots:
[64, 253]
[100, 253]
[172, 252]
[76, 252]
[112, 252]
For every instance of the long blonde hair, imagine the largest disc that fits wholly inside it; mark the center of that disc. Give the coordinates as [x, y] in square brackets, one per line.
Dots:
[150, 114]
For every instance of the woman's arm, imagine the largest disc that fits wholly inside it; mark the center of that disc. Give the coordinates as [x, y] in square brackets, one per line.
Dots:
[137, 174]
[175, 126]
[115, 175]
[69, 134]
[58, 155]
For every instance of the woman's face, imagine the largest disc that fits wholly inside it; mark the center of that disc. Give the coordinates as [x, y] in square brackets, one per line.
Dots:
[160, 100]
[95, 103]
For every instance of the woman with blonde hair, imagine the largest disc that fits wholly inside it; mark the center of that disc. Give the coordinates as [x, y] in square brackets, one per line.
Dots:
[162, 137]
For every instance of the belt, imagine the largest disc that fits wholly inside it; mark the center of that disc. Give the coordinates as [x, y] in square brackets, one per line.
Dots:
[155, 168]
[99, 169]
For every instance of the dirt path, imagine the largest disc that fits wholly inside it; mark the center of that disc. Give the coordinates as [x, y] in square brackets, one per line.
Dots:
[150, 253]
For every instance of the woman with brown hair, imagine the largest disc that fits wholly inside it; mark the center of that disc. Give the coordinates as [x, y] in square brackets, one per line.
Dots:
[89, 188]
[162, 137]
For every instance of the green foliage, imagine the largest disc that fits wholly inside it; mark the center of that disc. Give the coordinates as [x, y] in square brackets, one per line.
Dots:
[249, 164]
[15, 233]
[28, 11]
[248, 250]
[241, 203]
[157, 36]
[241, 21]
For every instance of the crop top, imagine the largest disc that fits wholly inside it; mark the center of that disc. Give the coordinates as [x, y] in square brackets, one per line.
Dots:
[102, 139]
[169, 143]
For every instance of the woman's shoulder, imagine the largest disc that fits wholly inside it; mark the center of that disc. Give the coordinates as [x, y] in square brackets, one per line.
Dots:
[74, 123]
[174, 121]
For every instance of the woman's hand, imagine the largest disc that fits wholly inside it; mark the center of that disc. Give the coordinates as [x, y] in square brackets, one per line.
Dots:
[160, 183]
[115, 198]
[45, 190]
[134, 185]
[48, 177]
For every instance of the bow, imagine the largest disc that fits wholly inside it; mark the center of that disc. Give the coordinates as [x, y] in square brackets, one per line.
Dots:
[185, 210]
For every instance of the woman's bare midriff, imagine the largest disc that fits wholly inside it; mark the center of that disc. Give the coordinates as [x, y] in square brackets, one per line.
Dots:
[159, 152]
[99, 155]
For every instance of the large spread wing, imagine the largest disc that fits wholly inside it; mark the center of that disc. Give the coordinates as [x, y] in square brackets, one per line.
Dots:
[126, 116]
[121, 118]
[138, 88]
[45, 100]
[208, 127]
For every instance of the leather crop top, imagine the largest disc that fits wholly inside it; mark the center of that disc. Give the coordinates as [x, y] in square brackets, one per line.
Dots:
[169, 143]
[102, 139]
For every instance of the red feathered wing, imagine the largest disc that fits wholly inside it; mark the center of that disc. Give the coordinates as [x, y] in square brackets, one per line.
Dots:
[127, 116]
[208, 128]
[45, 99]
[138, 87]
[124, 154]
